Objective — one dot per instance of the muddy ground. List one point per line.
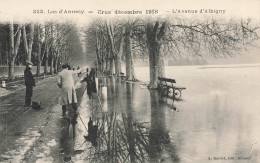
(33, 135)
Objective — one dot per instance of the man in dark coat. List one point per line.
(29, 83)
(91, 84)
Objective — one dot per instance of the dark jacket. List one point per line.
(28, 77)
(91, 85)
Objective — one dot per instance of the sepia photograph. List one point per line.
(155, 81)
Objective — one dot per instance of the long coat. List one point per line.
(66, 83)
(28, 78)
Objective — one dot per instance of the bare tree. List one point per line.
(110, 31)
(14, 39)
(154, 33)
(209, 37)
(52, 48)
(40, 53)
(172, 37)
(47, 48)
(4, 44)
(105, 39)
(28, 44)
(128, 51)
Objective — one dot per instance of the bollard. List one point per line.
(3, 84)
(43, 76)
(96, 80)
(104, 92)
(104, 96)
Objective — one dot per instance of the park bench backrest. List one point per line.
(166, 80)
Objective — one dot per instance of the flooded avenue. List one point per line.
(212, 121)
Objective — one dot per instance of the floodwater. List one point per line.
(217, 119)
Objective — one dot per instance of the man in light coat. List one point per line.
(68, 98)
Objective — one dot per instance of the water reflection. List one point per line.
(67, 140)
(122, 137)
(160, 147)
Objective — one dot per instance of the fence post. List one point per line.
(104, 96)
(3, 84)
(96, 81)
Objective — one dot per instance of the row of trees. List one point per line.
(113, 41)
(48, 44)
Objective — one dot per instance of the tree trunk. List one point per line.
(13, 49)
(39, 56)
(38, 72)
(128, 53)
(107, 65)
(1, 55)
(153, 48)
(2, 58)
(30, 42)
(117, 66)
(11, 52)
(103, 66)
(25, 44)
(56, 65)
(156, 64)
(52, 51)
(46, 65)
(112, 47)
(112, 66)
(161, 69)
(99, 67)
(119, 54)
(51, 66)
(28, 47)
(11, 70)
(132, 69)
(46, 60)
(6, 53)
(46, 50)
(98, 52)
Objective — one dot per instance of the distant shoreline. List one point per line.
(229, 66)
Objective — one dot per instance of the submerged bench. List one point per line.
(167, 86)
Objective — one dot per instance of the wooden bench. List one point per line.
(167, 86)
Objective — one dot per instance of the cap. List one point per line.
(29, 63)
(64, 66)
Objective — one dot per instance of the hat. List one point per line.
(29, 63)
(64, 66)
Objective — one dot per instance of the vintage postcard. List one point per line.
(130, 81)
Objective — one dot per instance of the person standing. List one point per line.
(29, 83)
(68, 98)
(91, 84)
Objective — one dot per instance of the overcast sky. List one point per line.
(22, 10)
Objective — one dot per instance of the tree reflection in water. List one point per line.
(121, 138)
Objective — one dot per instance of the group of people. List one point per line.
(30, 81)
(68, 97)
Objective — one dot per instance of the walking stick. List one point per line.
(78, 112)
(83, 123)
